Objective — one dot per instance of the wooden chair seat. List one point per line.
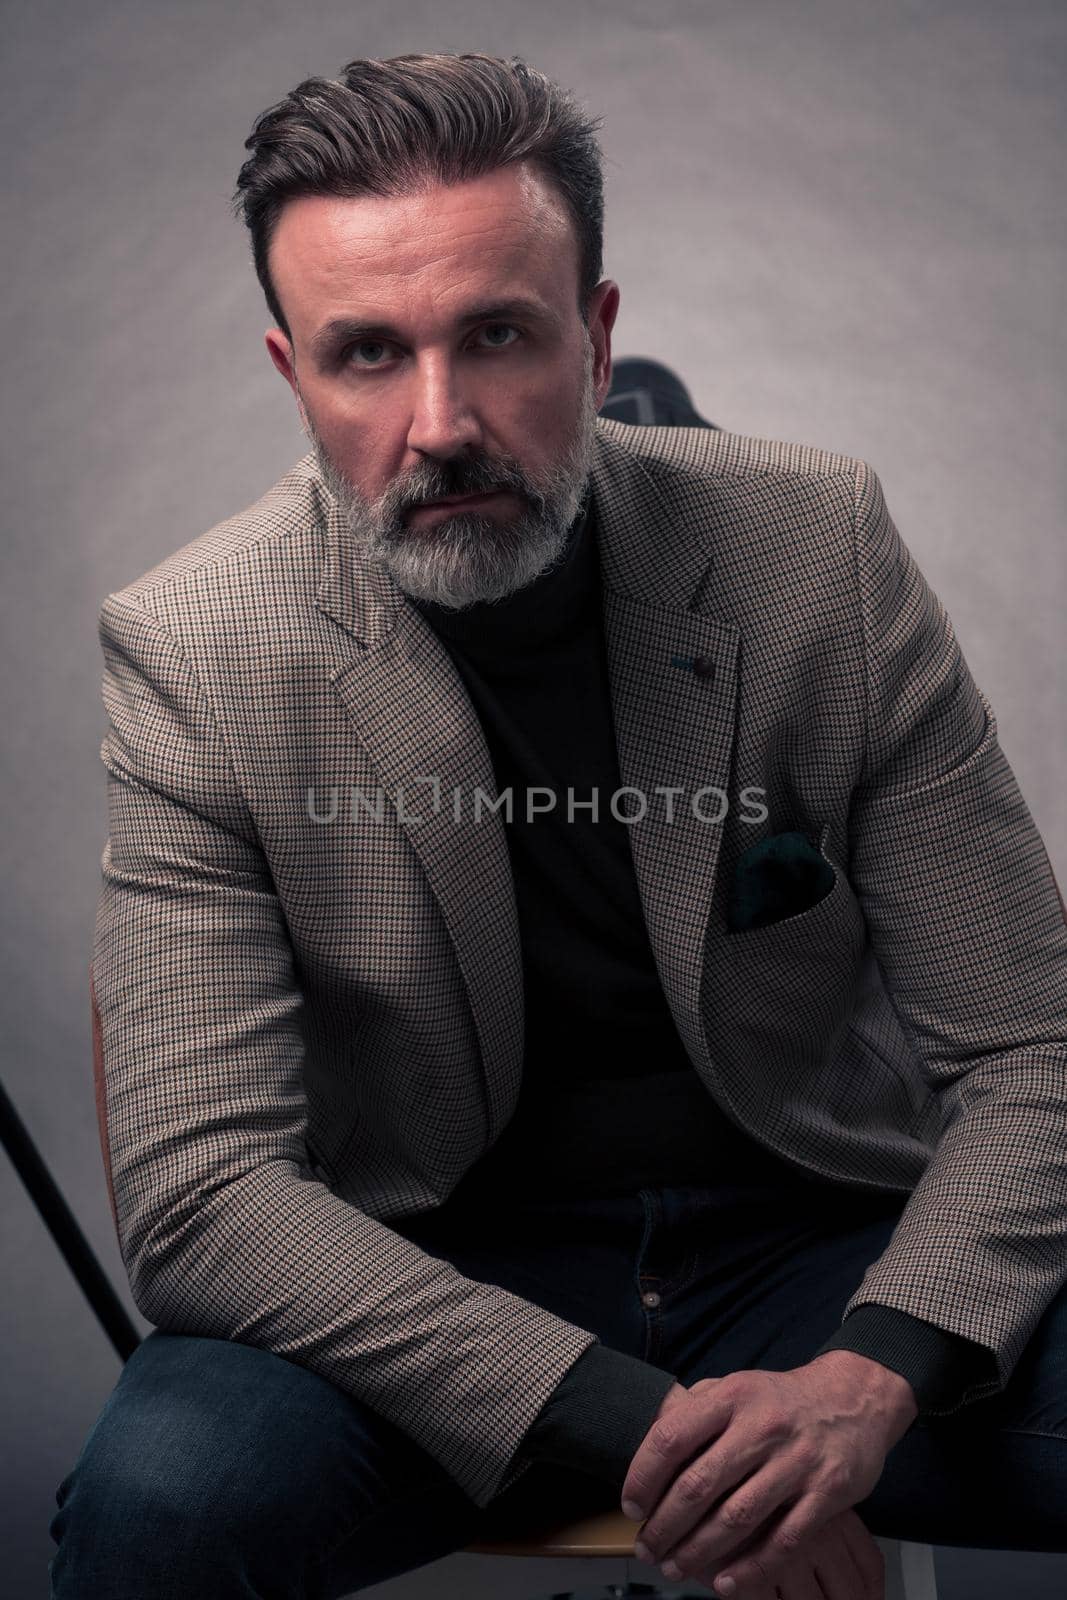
(909, 1568)
(606, 1533)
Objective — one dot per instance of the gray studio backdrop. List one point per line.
(842, 222)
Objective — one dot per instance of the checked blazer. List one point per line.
(306, 1027)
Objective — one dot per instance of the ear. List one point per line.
(603, 309)
(281, 353)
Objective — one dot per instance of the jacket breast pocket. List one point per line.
(782, 992)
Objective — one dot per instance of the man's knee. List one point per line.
(157, 1499)
(215, 1458)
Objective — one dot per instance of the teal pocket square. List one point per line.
(775, 878)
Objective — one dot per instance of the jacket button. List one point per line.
(704, 666)
(650, 1299)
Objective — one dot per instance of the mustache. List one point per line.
(451, 480)
(444, 480)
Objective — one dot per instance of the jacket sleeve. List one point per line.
(223, 1228)
(941, 1367)
(599, 1414)
(968, 929)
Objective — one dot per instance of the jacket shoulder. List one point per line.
(290, 510)
(715, 452)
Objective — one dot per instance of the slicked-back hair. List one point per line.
(395, 127)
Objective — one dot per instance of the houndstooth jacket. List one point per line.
(306, 1027)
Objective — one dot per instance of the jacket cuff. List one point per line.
(596, 1418)
(941, 1367)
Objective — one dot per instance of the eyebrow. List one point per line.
(340, 330)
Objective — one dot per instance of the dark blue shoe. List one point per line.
(644, 391)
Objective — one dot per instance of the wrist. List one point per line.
(896, 1401)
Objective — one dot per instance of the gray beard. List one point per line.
(470, 558)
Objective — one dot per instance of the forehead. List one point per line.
(330, 253)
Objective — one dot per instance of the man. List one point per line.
(402, 1104)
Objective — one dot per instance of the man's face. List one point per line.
(436, 384)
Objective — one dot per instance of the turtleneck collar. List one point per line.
(551, 606)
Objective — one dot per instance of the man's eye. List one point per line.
(363, 345)
(499, 327)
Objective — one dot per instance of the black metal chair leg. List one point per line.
(61, 1224)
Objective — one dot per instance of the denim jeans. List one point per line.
(219, 1469)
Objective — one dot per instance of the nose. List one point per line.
(443, 421)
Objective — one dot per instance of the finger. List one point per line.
(690, 1499)
(731, 1526)
(803, 1584)
(670, 1443)
(763, 1591)
(834, 1570)
(828, 1568)
(719, 1478)
(779, 1547)
(865, 1553)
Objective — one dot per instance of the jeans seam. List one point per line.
(648, 1200)
(684, 1276)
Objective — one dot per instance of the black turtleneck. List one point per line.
(610, 1102)
(535, 668)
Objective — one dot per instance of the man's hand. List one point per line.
(841, 1562)
(762, 1460)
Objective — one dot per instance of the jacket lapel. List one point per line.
(673, 728)
(673, 724)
